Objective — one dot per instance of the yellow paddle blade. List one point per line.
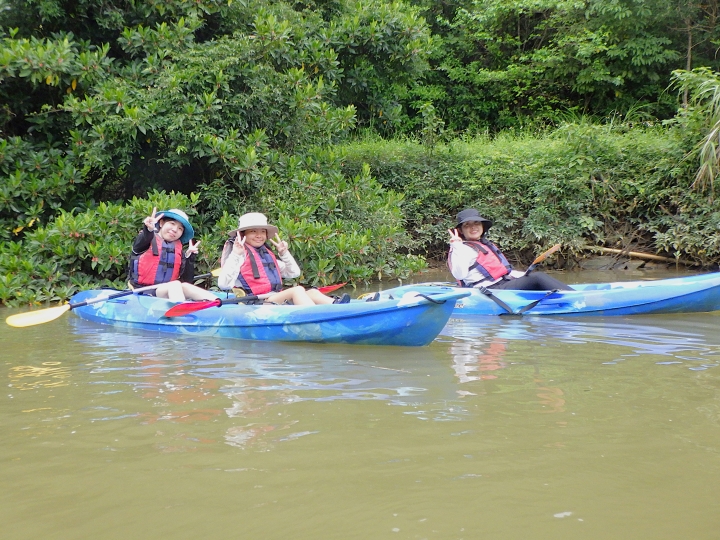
(37, 317)
(216, 272)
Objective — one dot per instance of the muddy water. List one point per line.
(502, 428)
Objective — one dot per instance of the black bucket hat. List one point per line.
(470, 214)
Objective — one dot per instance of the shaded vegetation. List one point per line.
(108, 108)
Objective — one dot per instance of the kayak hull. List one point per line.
(409, 321)
(689, 294)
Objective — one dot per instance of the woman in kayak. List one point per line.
(248, 263)
(474, 261)
(157, 257)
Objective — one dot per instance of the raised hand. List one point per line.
(151, 221)
(454, 236)
(192, 248)
(280, 245)
(239, 245)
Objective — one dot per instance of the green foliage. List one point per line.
(700, 117)
(516, 64)
(581, 184)
(78, 250)
(165, 93)
(383, 49)
(241, 106)
(36, 181)
(339, 227)
(345, 228)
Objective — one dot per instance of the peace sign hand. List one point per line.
(192, 248)
(280, 245)
(239, 245)
(151, 221)
(454, 236)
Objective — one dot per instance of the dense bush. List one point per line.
(241, 106)
(76, 250)
(501, 64)
(338, 228)
(221, 101)
(579, 185)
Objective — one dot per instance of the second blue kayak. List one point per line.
(689, 294)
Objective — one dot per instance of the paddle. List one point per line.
(186, 308)
(330, 288)
(41, 316)
(540, 258)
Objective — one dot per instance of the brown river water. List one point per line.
(502, 428)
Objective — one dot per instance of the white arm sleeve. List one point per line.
(461, 258)
(288, 266)
(230, 271)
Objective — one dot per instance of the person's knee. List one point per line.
(175, 291)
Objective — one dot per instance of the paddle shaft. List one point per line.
(113, 296)
(540, 258)
(187, 308)
(246, 298)
(41, 316)
(128, 293)
(125, 293)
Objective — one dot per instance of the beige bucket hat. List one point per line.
(256, 220)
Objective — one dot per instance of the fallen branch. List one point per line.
(639, 255)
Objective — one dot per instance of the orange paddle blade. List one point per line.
(191, 307)
(540, 258)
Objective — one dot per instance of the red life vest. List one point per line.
(490, 261)
(160, 263)
(260, 272)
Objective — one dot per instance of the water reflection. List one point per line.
(690, 340)
(473, 363)
(192, 379)
(47, 375)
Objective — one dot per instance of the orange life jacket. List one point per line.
(160, 263)
(260, 272)
(490, 261)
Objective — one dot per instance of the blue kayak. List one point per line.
(698, 293)
(409, 320)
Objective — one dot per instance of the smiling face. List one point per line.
(170, 230)
(255, 237)
(472, 230)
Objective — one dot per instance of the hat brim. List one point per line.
(272, 230)
(486, 222)
(188, 231)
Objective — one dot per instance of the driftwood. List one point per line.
(640, 255)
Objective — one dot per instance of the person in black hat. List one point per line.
(474, 261)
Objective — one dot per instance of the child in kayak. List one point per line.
(157, 257)
(474, 261)
(248, 263)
